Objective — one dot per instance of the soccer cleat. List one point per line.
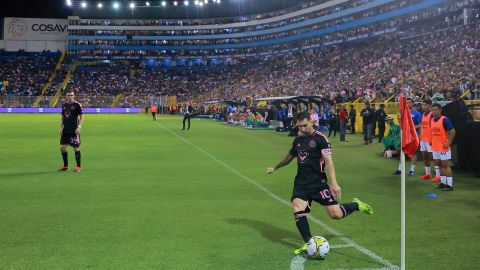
(363, 207)
(436, 179)
(301, 250)
(447, 188)
(411, 173)
(425, 177)
(441, 185)
(77, 169)
(397, 172)
(64, 168)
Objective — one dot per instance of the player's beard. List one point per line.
(307, 132)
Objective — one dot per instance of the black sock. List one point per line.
(65, 158)
(78, 157)
(348, 208)
(302, 225)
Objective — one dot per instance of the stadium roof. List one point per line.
(226, 8)
(35, 9)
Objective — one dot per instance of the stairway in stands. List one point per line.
(56, 75)
(60, 88)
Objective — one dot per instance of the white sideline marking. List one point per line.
(348, 241)
(382, 268)
(341, 246)
(299, 243)
(297, 262)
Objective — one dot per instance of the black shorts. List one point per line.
(70, 139)
(322, 195)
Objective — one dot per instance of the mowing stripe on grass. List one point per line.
(348, 241)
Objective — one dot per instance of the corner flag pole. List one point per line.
(402, 203)
(409, 142)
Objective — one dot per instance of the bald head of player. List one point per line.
(305, 124)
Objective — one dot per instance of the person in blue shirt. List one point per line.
(417, 121)
(282, 115)
(230, 111)
(322, 117)
(416, 115)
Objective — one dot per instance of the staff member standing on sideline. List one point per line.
(367, 113)
(381, 115)
(187, 114)
(154, 110)
(352, 116)
(342, 118)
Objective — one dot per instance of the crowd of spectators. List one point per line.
(438, 63)
(444, 62)
(447, 14)
(227, 20)
(25, 74)
(240, 29)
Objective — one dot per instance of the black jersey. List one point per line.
(368, 115)
(310, 151)
(70, 113)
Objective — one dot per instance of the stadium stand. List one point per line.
(370, 49)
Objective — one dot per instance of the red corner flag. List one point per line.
(409, 134)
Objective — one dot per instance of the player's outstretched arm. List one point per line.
(285, 161)
(334, 187)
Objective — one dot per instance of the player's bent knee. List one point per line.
(335, 212)
(299, 205)
(336, 215)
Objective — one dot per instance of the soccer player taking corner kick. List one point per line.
(313, 152)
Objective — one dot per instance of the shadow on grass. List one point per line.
(293, 240)
(269, 231)
(272, 233)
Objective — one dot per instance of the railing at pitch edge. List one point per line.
(59, 110)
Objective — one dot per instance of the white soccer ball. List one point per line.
(318, 247)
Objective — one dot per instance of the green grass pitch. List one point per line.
(151, 196)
